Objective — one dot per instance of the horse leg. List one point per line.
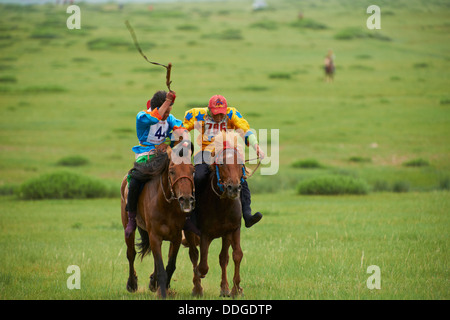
(202, 268)
(223, 260)
(153, 285)
(131, 251)
(161, 275)
(131, 254)
(193, 255)
(237, 257)
(171, 265)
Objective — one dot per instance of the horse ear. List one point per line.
(169, 152)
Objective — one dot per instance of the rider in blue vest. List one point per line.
(153, 126)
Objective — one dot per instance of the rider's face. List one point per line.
(218, 117)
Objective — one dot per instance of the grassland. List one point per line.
(312, 248)
(73, 94)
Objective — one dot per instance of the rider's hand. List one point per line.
(259, 152)
(171, 96)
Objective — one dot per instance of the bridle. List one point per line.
(172, 184)
(221, 185)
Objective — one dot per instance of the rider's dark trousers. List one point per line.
(134, 190)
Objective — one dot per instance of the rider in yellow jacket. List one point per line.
(209, 122)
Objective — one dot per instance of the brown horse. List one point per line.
(163, 204)
(219, 216)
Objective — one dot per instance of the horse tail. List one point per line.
(144, 244)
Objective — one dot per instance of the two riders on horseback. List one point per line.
(156, 124)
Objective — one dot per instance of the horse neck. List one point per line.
(218, 208)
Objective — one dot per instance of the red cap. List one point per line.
(217, 104)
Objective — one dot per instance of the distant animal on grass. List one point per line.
(329, 66)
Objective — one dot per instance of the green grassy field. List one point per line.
(384, 120)
(308, 248)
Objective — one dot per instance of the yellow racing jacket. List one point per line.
(199, 119)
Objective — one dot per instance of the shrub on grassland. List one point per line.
(401, 186)
(359, 33)
(307, 164)
(73, 161)
(444, 183)
(308, 24)
(280, 75)
(64, 185)
(332, 185)
(419, 162)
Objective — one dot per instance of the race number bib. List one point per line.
(158, 132)
(213, 128)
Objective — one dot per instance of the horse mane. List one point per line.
(226, 139)
(150, 169)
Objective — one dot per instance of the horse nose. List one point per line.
(186, 203)
(234, 190)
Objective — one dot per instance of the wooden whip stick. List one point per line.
(138, 47)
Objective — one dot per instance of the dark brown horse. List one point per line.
(162, 208)
(219, 216)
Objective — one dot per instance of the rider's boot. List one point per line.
(131, 225)
(249, 219)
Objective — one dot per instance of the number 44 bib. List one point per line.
(157, 132)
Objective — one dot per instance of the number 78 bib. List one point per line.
(158, 132)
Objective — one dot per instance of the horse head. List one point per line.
(229, 167)
(181, 176)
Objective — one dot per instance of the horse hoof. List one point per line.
(132, 285)
(153, 287)
(153, 284)
(238, 292)
(197, 292)
(225, 293)
(131, 289)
